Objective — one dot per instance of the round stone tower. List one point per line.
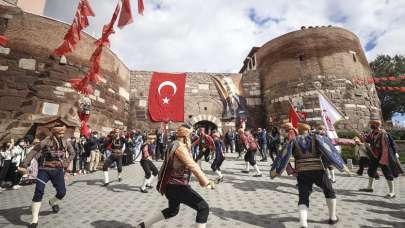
(293, 67)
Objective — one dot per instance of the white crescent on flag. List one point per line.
(167, 83)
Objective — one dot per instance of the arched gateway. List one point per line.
(208, 122)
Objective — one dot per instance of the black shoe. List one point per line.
(377, 177)
(333, 222)
(219, 180)
(389, 196)
(258, 175)
(264, 160)
(366, 190)
(119, 179)
(141, 225)
(55, 207)
(149, 186)
(106, 184)
(244, 171)
(144, 190)
(33, 225)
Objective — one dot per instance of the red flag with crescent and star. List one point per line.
(166, 97)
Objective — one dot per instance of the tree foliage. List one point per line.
(391, 101)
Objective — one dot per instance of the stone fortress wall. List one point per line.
(292, 66)
(33, 86)
(298, 64)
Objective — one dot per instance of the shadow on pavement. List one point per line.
(13, 215)
(395, 210)
(110, 224)
(111, 187)
(247, 217)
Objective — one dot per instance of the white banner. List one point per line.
(330, 115)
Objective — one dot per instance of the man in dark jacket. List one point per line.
(94, 148)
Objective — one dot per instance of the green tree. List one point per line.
(391, 101)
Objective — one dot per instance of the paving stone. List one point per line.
(240, 201)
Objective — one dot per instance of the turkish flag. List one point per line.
(166, 97)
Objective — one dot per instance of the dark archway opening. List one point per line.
(207, 125)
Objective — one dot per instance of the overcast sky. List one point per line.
(216, 35)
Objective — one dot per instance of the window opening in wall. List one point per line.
(301, 57)
(354, 57)
(205, 108)
(190, 116)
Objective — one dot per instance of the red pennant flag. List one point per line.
(141, 7)
(126, 14)
(166, 97)
(86, 9)
(3, 40)
(81, 85)
(84, 129)
(296, 117)
(73, 34)
(402, 89)
(108, 29)
(64, 48)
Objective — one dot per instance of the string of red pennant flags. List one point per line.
(80, 22)
(378, 82)
(93, 75)
(73, 36)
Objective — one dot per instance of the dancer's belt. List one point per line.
(53, 164)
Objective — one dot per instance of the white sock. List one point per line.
(154, 219)
(332, 208)
(106, 179)
(328, 173)
(201, 225)
(370, 182)
(247, 166)
(151, 180)
(332, 174)
(257, 169)
(35, 207)
(218, 172)
(391, 187)
(303, 211)
(119, 175)
(145, 182)
(53, 201)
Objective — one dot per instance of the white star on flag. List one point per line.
(166, 100)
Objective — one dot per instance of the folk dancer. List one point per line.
(205, 146)
(147, 165)
(307, 150)
(250, 157)
(117, 144)
(50, 154)
(383, 154)
(174, 177)
(219, 156)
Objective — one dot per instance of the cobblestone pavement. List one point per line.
(240, 201)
